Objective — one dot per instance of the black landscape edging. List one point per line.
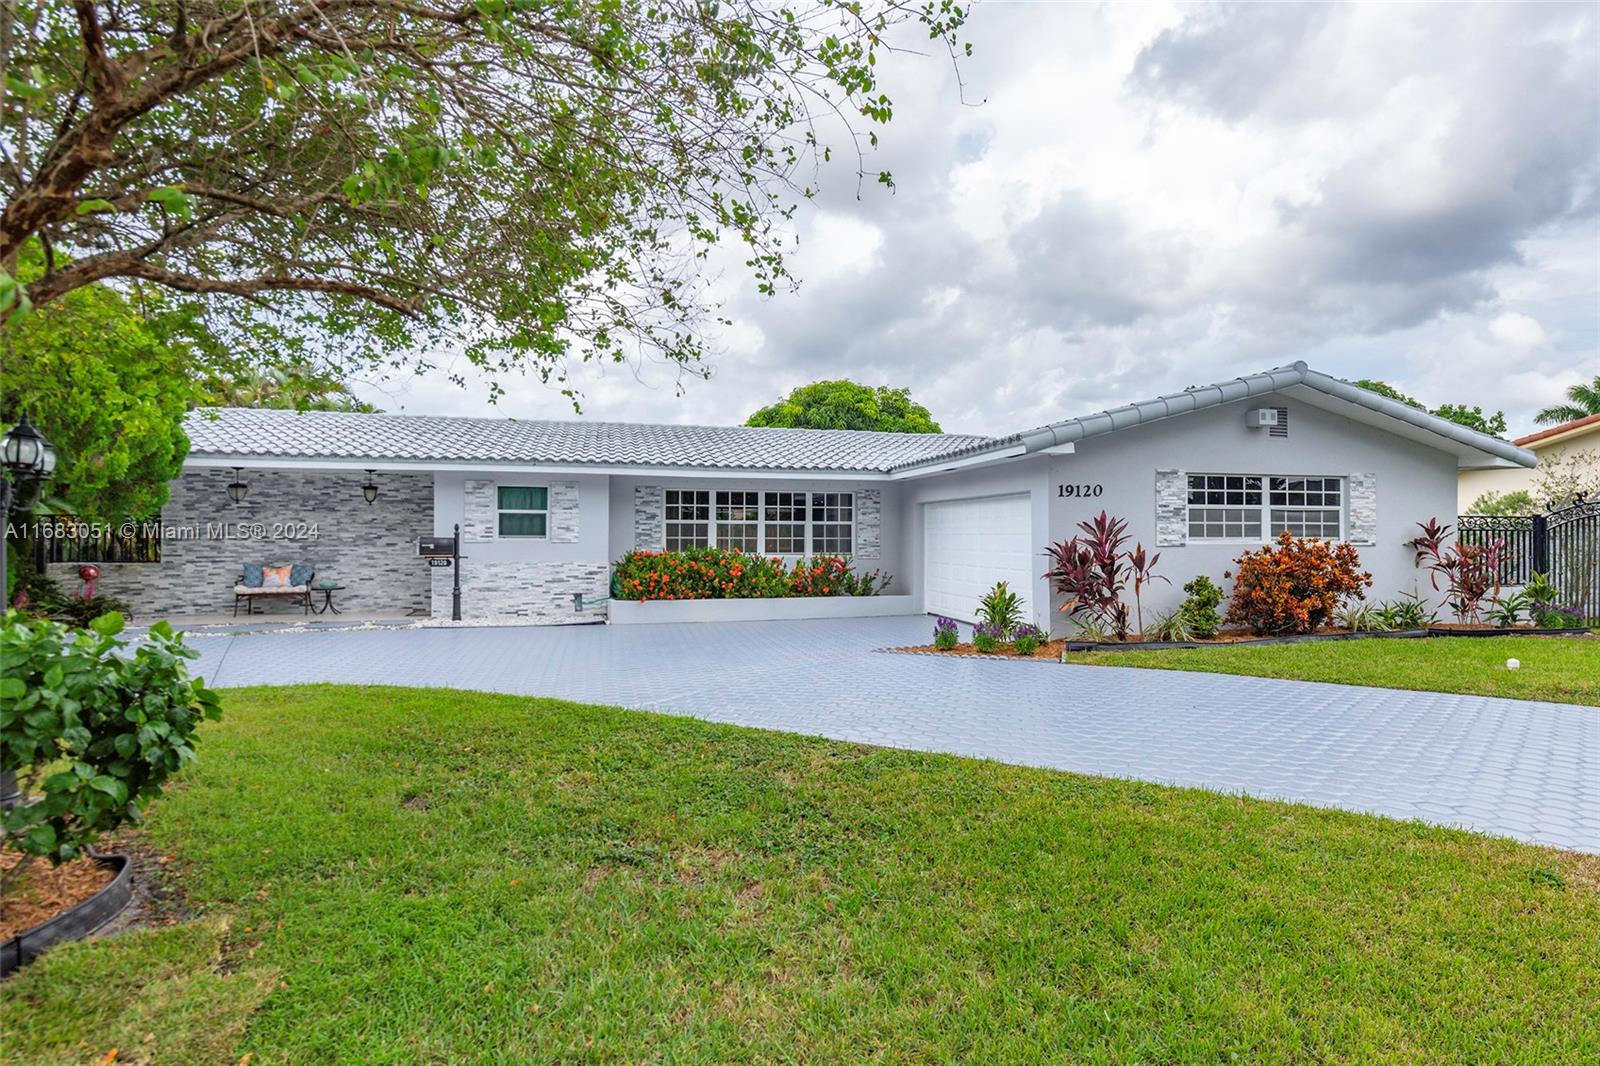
(76, 922)
(1314, 638)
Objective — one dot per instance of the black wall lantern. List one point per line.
(369, 488)
(236, 487)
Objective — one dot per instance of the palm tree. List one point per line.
(1585, 402)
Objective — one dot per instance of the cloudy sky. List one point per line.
(1136, 198)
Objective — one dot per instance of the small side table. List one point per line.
(327, 599)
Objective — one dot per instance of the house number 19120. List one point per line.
(1084, 490)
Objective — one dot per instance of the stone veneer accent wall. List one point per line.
(869, 524)
(1363, 509)
(649, 521)
(480, 517)
(369, 548)
(1172, 503)
(540, 592)
(564, 512)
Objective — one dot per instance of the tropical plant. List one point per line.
(824, 575)
(1294, 585)
(698, 574)
(1507, 610)
(987, 637)
(1026, 638)
(1090, 628)
(1089, 570)
(94, 726)
(1173, 626)
(1409, 611)
(1001, 608)
(1199, 607)
(1142, 570)
(1542, 595)
(945, 633)
(1362, 618)
(523, 182)
(1584, 401)
(847, 405)
(1469, 573)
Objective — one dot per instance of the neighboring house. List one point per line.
(545, 507)
(1549, 445)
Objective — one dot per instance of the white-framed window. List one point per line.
(523, 510)
(1255, 507)
(739, 520)
(688, 519)
(1307, 506)
(784, 523)
(775, 522)
(833, 523)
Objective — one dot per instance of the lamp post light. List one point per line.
(27, 460)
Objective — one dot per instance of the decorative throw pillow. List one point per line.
(275, 577)
(300, 573)
(252, 575)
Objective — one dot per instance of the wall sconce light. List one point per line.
(369, 488)
(236, 487)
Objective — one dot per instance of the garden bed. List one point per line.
(776, 608)
(1053, 649)
(66, 902)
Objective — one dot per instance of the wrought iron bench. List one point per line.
(248, 594)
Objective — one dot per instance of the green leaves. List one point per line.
(125, 717)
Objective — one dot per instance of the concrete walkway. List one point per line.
(1517, 768)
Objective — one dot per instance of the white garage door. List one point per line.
(968, 545)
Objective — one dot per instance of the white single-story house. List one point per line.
(546, 507)
(1554, 445)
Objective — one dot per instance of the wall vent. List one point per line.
(1282, 428)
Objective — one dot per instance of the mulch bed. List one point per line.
(46, 891)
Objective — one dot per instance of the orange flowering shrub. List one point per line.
(698, 574)
(722, 574)
(1295, 585)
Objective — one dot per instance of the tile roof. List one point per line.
(1587, 422)
(249, 433)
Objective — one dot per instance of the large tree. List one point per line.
(1471, 417)
(1585, 401)
(525, 180)
(847, 405)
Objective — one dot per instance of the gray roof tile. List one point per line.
(244, 432)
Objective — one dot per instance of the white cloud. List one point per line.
(1152, 196)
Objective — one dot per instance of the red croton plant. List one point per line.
(1294, 585)
(1092, 570)
(1468, 573)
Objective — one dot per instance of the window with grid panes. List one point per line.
(738, 520)
(688, 519)
(784, 523)
(1307, 506)
(832, 523)
(1224, 507)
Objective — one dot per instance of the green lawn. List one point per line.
(404, 876)
(1563, 669)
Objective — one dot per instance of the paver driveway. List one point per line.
(1523, 769)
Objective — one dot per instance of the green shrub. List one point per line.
(1025, 639)
(1410, 611)
(987, 637)
(1001, 608)
(1175, 627)
(698, 574)
(92, 726)
(1199, 609)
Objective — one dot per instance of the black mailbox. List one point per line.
(436, 547)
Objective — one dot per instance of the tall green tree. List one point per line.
(1471, 417)
(108, 384)
(847, 405)
(1584, 401)
(529, 181)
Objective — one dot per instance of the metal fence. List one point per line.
(1565, 544)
